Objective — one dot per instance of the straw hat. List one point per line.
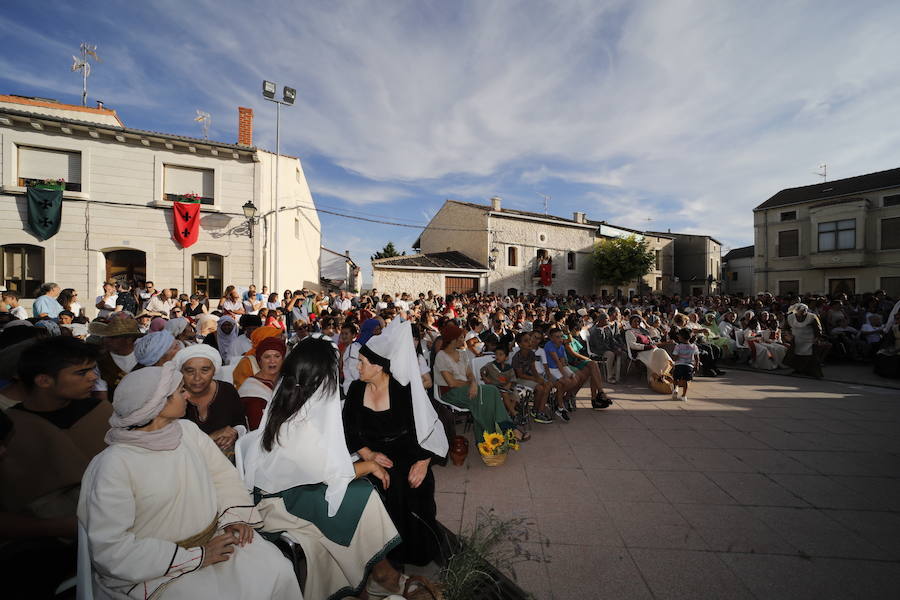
(123, 327)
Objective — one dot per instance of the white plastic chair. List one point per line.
(477, 363)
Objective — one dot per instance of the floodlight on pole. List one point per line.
(289, 95)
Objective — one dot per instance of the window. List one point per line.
(658, 258)
(841, 286)
(891, 200)
(512, 292)
(734, 275)
(837, 235)
(658, 287)
(570, 261)
(789, 243)
(571, 293)
(890, 233)
(22, 270)
(207, 275)
(38, 164)
(179, 181)
(790, 215)
(789, 287)
(891, 286)
(512, 257)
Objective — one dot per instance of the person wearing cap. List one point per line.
(164, 511)
(307, 485)
(58, 428)
(214, 406)
(457, 385)
(388, 418)
(257, 389)
(143, 319)
(117, 356)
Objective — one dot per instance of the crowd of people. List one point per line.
(183, 435)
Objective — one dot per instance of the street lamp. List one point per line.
(250, 213)
(288, 95)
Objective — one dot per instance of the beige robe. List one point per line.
(136, 503)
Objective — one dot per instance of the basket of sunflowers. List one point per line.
(496, 446)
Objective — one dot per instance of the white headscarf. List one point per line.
(139, 397)
(311, 449)
(226, 340)
(396, 345)
(176, 326)
(197, 351)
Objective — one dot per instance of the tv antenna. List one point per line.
(205, 120)
(546, 198)
(88, 52)
(822, 172)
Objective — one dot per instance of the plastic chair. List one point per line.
(477, 363)
(454, 410)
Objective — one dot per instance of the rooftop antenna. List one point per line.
(88, 51)
(205, 120)
(546, 198)
(822, 172)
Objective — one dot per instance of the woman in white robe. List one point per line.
(656, 359)
(166, 514)
(766, 353)
(308, 487)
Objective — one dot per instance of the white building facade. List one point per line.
(117, 214)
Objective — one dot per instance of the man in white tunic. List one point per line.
(166, 514)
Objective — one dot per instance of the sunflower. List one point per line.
(494, 440)
(485, 449)
(514, 445)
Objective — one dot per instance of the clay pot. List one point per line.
(459, 449)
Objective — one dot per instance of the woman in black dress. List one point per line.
(388, 419)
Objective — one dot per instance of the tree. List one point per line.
(388, 251)
(618, 261)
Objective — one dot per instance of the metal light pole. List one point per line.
(289, 94)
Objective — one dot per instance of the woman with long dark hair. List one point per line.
(306, 484)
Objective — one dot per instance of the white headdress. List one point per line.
(395, 344)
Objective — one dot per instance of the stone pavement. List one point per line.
(760, 486)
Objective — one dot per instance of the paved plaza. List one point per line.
(760, 486)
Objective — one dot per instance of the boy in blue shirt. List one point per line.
(687, 359)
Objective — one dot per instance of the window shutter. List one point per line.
(39, 163)
(183, 180)
(890, 234)
(788, 243)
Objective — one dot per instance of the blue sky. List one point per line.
(657, 115)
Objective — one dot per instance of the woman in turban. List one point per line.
(166, 514)
(248, 365)
(156, 349)
(214, 406)
(257, 390)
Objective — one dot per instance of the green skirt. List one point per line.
(487, 408)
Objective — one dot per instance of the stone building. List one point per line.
(737, 272)
(117, 211)
(698, 263)
(839, 236)
(489, 248)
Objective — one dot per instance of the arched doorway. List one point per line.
(126, 265)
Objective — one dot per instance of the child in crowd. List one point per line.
(687, 360)
(500, 373)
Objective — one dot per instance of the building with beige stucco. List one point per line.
(839, 236)
(117, 206)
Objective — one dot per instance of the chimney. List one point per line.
(100, 104)
(245, 126)
(578, 217)
(495, 204)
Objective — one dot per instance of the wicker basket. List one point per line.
(494, 460)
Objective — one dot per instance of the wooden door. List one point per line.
(461, 285)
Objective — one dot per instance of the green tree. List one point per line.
(618, 261)
(388, 251)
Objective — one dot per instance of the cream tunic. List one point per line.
(136, 503)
